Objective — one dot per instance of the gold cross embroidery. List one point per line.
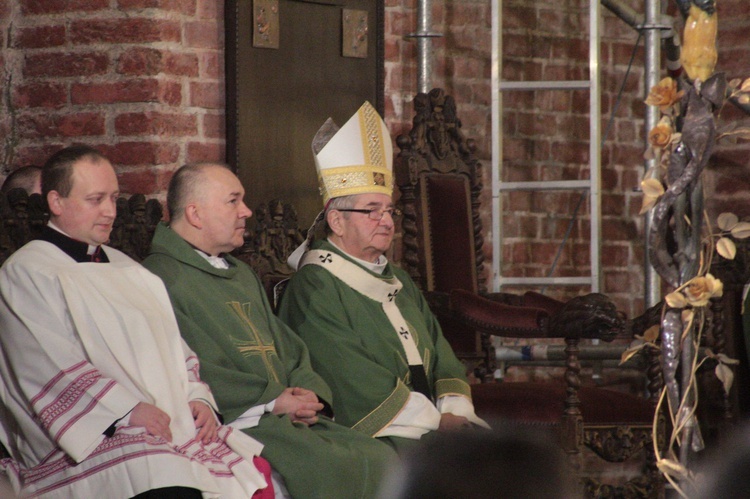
(256, 346)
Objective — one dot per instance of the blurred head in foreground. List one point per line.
(505, 463)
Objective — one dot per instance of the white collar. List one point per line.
(217, 262)
(378, 267)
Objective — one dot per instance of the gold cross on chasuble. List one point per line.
(260, 344)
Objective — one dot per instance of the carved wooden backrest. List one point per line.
(273, 233)
(439, 180)
(449, 257)
(440, 183)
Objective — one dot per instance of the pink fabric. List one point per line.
(264, 467)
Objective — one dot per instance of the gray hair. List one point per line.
(339, 203)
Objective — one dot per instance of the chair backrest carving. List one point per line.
(271, 237)
(440, 183)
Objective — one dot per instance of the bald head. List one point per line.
(28, 178)
(185, 187)
(206, 208)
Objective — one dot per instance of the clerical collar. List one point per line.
(217, 262)
(378, 267)
(79, 251)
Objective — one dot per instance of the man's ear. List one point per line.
(335, 221)
(54, 201)
(193, 216)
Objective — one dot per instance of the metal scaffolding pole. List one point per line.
(424, 47)
(497, 137)
(652, 281)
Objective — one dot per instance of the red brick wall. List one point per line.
(140, 79)
(144, 81)
(546, 133)
(728, 178)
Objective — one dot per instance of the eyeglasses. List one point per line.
(376, 214)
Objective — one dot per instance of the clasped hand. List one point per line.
(300, 404)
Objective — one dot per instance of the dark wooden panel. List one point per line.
(278, 98)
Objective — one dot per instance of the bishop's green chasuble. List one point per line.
(356, 349)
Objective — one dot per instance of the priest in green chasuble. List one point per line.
(369, 330)
(258, 369)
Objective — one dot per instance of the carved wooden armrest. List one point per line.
(538, 300)
(592, 316)
(639, 325)
(528, 299)
(497, 318)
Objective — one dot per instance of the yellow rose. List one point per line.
(700, 289)
(661, 135)
(664, 94)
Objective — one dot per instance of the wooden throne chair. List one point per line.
(442, 249)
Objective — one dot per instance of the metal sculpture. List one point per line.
(679, 250)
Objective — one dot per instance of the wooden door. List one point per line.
(277, 98)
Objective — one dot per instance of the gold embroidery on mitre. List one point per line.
(348, 180)
(372, 140)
